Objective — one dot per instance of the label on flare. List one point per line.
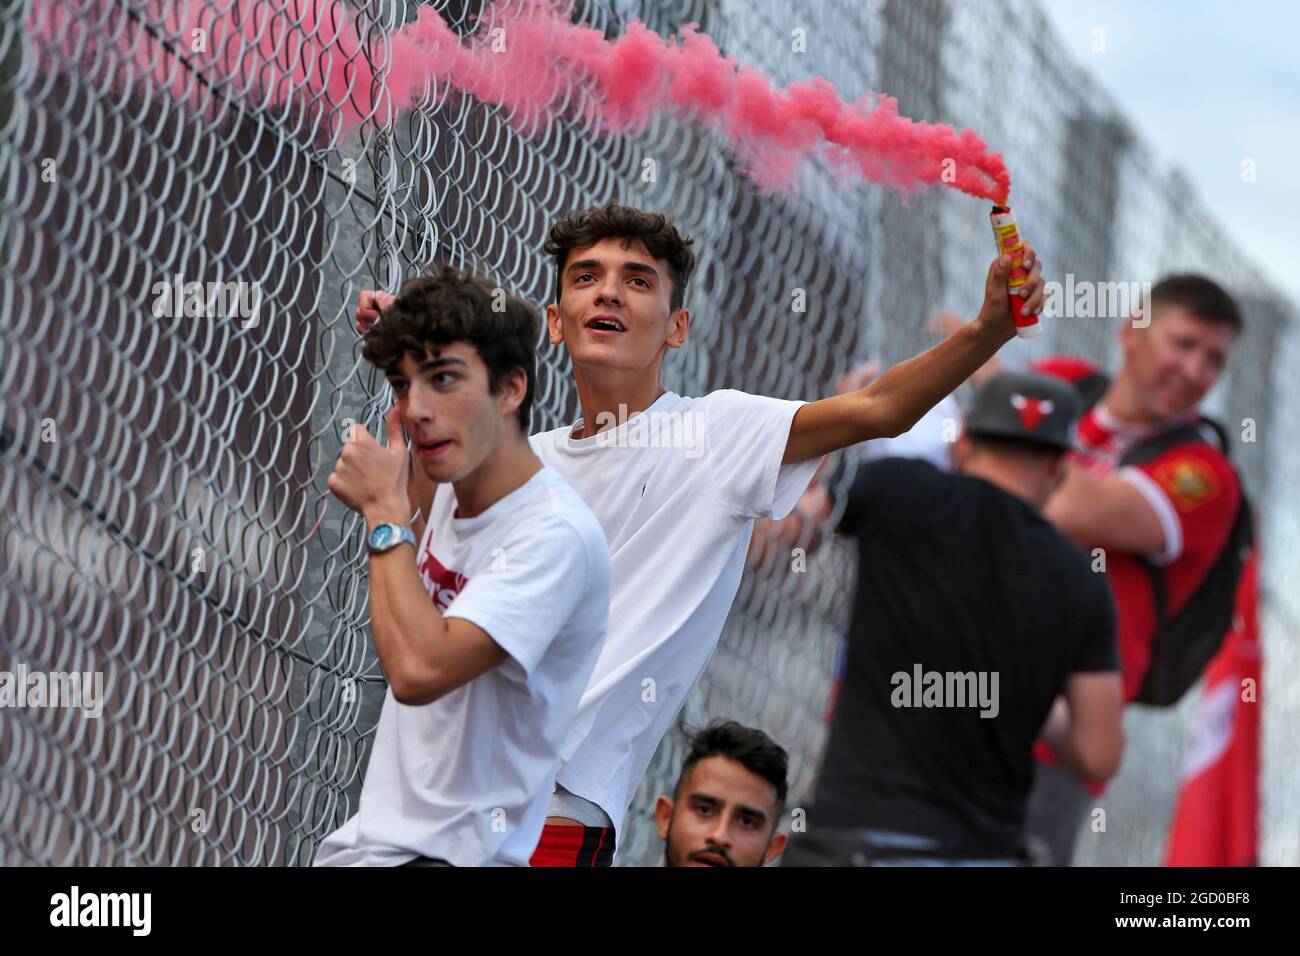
(1008, 238)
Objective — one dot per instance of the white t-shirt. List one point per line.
(468, 777)
(676, 490)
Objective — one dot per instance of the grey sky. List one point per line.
(1208, 84)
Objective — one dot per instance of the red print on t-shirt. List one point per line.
(443, 585)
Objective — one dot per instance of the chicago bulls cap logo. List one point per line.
(1032, 411)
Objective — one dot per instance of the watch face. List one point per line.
(389, 535)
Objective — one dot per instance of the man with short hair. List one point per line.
(1151, 486)
(726, 807)
(678, 511)
(489, 626)
(974, 620)
(1177, 508)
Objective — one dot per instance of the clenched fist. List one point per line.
(995, 313)
(372, 478)
(369, 305)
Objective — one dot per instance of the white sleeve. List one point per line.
(536, 581)
(745, 437)
(1164, 509)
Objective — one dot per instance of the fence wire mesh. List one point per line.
(164, 518)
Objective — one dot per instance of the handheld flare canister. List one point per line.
(1008, 239)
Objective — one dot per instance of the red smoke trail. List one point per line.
(531, 60)
(641, 75)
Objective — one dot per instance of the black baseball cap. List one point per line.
(1026, 406)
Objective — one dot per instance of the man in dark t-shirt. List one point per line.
(974, 620)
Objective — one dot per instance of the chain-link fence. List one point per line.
(164, 520)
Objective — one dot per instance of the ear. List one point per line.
(679, 323)
(554, 327)
(961, 450)
(1056, 475)
(663, 815)
(513, 389)
(776, 848)
(1128, 335)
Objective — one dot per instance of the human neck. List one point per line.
(611, 398)
(507, 469)
(1009, 477)
(1122, 402)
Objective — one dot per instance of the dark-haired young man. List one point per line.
(489, 627)
(728, 801)
(676, 483)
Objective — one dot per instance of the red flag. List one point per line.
(1216, 820)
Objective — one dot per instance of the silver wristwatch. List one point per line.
(387, 536)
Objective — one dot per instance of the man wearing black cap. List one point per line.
(974, 620)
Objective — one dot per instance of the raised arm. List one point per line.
(1112, 514)
(424, 655)
(420, 490)
(896, 401)
(369, 304)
